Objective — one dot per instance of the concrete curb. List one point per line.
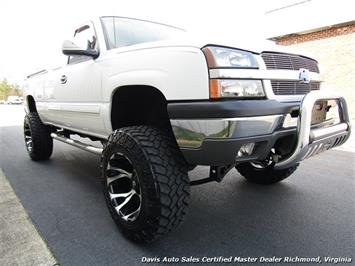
(20, 243)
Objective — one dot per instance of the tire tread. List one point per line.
(169, 173)
(41, 138)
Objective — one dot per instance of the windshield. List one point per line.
(120, 32)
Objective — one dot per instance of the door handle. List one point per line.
(63, 79)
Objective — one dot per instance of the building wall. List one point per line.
(334, 49)
(317, 35)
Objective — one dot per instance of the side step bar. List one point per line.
(78, 144)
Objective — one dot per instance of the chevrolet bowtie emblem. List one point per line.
(304, 76)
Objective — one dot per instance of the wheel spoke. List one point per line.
(128, 216)
(116, 173)
(127, 197)
(122, 195)
(110, 179)
(120, 170)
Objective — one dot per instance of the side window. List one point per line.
(85, 38)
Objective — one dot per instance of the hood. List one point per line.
(243, 42)
(239, 42)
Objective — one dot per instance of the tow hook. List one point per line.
(217, 173)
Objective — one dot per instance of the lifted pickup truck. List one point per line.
(161, 102)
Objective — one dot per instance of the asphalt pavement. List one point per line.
(310, 214)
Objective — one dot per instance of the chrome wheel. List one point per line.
(123, 187)
(28, 137)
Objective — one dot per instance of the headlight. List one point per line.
(226, 57)
(236, 88)
(241, 88)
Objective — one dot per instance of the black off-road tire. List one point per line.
(264, 176)
(162, 173)
(40, 136)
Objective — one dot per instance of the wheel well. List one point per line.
(31, 104)
(139, 105)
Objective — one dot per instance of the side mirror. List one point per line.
(70, 48)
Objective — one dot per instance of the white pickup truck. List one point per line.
(162, 101)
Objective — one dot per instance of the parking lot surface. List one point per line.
(308, 215)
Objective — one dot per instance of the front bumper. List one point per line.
(214, 133)
(313, 141)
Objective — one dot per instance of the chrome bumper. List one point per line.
(313, 141)
(217, 141)
(190, 133)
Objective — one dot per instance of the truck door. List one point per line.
(76, 99)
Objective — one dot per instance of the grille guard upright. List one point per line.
(311, 142)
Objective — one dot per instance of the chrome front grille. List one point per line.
(289, 61)
(282, 87)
